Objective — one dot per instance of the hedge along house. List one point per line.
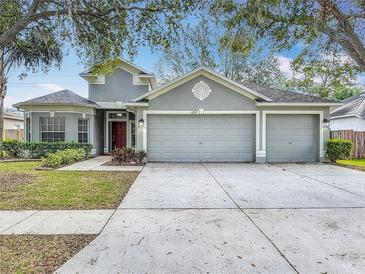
(201, 116)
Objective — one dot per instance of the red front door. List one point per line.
(119, 134)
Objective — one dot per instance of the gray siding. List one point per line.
(221, 98)
(71, 123)
(118, 87)
(99, 132)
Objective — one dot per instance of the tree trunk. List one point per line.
(2, 97)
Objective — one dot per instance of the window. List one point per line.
(52, 129)
(27, 124)
(117, 115)
(83, 131)
(133, 134)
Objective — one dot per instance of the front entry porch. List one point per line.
(117, 128)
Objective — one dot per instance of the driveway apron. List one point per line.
(230, 218)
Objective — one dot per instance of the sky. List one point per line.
(39, 84)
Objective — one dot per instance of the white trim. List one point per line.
(13, 118)
(30, 128)
(201, 112)
(88, 129)
(309, 112)
(319, 104)
(93, 79)
(243, 90)
(60, 111)
(346, 116)
(137, 104)
(21, 105)
(136, 79)
(127, 63)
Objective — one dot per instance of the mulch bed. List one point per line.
(111, 163)
(10, 160)
(38, 253)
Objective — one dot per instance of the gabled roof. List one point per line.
(263, 95)
(62, 97)
(278, 95)
(137, 72)
(355, 106)
(208, 73)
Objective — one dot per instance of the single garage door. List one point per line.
(200, 138)
(291, 138)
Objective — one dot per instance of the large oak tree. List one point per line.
(35, 34)
(199, 45)
(314, 24)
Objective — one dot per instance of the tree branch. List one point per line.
(32, 17)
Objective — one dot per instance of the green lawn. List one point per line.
(24, 187)
(354, 163)
(24, 254)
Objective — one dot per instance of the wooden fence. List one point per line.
(357, 138)
(10, 134)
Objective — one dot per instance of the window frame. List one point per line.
(61, 125)
(82, 140)
(27, 129)
(133, 133)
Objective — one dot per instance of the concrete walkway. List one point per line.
(233, 218)
(97, 164)
(47, 222)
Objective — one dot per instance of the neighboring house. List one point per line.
(350, 116)
(201, 116)
(13, 125)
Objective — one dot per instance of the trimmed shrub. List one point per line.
(140, 155)
(13, 148)
(37, 150)
(64, 157)
(122, 155)
(127, 155)
(338, 149)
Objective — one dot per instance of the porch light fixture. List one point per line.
(326, 122)
(140, 122)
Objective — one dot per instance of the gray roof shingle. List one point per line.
(283, 96)
(62, 97)
(354, 107)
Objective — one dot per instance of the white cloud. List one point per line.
(50, 87)
(285, 64)
(10, 101)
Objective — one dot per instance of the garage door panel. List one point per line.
(291, 138)
(208, 138)
(291, 132)
(177, 145)
(283, 147)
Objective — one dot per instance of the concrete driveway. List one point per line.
(234, 218)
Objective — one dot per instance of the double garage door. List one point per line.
(200, 138)
(230, 138)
